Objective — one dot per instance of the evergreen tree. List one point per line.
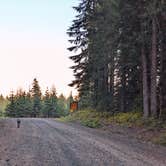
(79, 40)
(47, 108)
(62, 105)
(36, 98)
(20, 101)
(11, 107)
(54, 104)
(121, 64)
(28, 104)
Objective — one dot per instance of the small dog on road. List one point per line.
(18, 123)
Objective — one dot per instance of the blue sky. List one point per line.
(33, 43)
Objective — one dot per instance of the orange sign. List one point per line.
(74, 106)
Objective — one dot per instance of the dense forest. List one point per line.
(35, 104)
(120, 55)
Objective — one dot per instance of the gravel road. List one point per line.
(46, 142)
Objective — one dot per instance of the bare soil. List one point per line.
(46, 142)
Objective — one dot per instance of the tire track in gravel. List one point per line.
(77, 150)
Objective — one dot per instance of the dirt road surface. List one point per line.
(45, 142)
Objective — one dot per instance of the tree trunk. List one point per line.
(146, 109)
(154, 70)
(123, 92)
(163, 68)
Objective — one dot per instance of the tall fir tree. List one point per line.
(47, 104)
(11, 107)
(36, 98)
(54, 103)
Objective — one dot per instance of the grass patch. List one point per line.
(95, 119)
(92, 123)
(92, 117)
(89, 118)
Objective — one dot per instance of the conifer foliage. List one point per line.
(34, 104)
(36, 98)
(119, 61)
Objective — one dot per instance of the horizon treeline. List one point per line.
(120, 55)
(35, 104)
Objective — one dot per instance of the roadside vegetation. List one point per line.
(88, 118)
(150, 130)
(99, 119)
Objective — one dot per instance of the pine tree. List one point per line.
(79, 40)
(36, 97)
(121, 61)
(62, 106)
(11, 107)
(109, 52)
(47, 104)
(54, 104)
(28, 105)
(20, 101)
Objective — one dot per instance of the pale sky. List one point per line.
(33, 43)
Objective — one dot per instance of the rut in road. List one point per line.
(44, 142)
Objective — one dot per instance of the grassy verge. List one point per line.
(88, 118)
(149, 130)
(96, 119)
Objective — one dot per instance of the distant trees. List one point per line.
(11, 107)
(62, 105)
(36, 98)
(55, 112)
(47, 104)
(34, 104)
(50, 104)
(120, 55)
